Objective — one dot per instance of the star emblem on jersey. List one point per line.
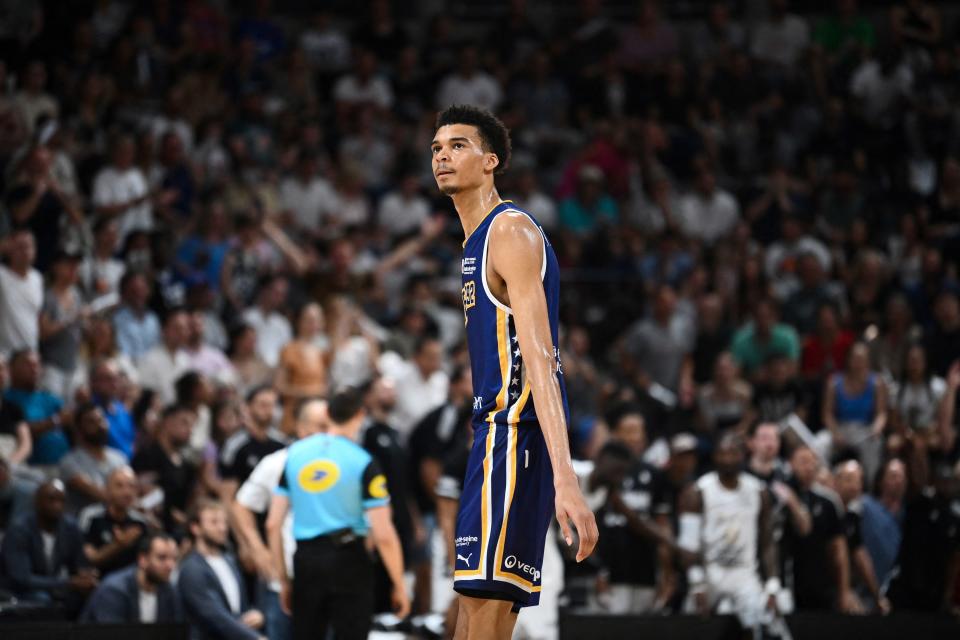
(516, 339)
(516, 354)
(516, 366)
(514, 395)
(515, 382)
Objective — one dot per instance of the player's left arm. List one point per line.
(516, 254)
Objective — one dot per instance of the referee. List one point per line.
(335, 489)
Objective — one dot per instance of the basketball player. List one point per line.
(519, 471)
(725, 518)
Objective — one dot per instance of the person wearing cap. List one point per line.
(61, 325)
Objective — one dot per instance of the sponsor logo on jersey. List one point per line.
(511, 562)
(318, 476)
(466, 560)
(468, 266)
(464, 541)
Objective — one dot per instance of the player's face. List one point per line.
(459, 161)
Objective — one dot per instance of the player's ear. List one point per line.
(491, 162)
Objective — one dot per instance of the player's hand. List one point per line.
(286, 597)
(400, 601)
(253, 619)
(772, 603)
(849, 604)
(571, 507)
(883, 605)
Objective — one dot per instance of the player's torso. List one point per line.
(730, 521)
(502, 392)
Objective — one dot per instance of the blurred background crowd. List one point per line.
(212, 211)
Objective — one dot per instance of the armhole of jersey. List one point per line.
(486, 244)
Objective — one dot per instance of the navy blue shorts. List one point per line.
(505, 510)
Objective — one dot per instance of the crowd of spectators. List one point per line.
(211, 213)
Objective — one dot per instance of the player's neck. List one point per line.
(473, 205)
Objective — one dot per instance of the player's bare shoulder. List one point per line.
(516, 243)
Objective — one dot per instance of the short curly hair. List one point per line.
(493, 133)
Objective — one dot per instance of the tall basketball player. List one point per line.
(519, 472)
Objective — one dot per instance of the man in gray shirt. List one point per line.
(87, 466)
(661, 344)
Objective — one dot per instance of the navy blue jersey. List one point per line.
(501, 390)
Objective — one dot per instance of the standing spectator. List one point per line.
(756, 343)
(422, 383)
(916, 400)
(38, 202)
(16, 443)
(782, 38)
(724, 402)
(855, 410)
(848, 478)
(195, 392)
(101, 272)
(21, 293)
(251, 370)
(141, 593)
(45, 413)
(160, 367)
(120, 190)
(112, 529)
(247, 447)
(707, 213)
(821, 566)
(212, 589)
(43, 554)
(136, 326)
(271, 326)
(87, 466)
(302, 371)
(205, 358)
(469, 85)
(61, 325)
(163, 465)
(591, 206)
(105, 388)
(713, 336)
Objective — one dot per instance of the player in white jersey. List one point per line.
(725, 520)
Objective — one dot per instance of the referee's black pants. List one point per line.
(332, 587)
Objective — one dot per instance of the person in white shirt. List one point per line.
(33, 101)
(306, 195)
(363, 87)
(421, 384)
(708, 213)
(120, 190)
(404, 209)
(21, 294)
(272, 327)
(468, 85)
(100, 272)
(161, 366)
(253, 498)
(782, 38)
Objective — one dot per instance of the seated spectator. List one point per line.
(943, 342)
(112, 529)
(21, 293)
(649, 41)
(848, 478)
(210, 584)
(160, 367)
(33, 100)
(855, 410)
(916, 400)
(16, 441)
(782, 38)
(361, 88)
(756, 343)
(163, 466)
(403, 210)
(845, 33)
(724, 402)
(825, 351)
(105, 390)
(43, 554)
(889, 351)
(306, 195)
(591, 206)
(469, 84)
(137, 327)
(87, 466)
(707, 213)
(713, 336)
(195, 392)
(820, 562)
(883, 518)
(814, 291)
(141, 593)
(267, 320)
(44, 412)
(783, 264)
